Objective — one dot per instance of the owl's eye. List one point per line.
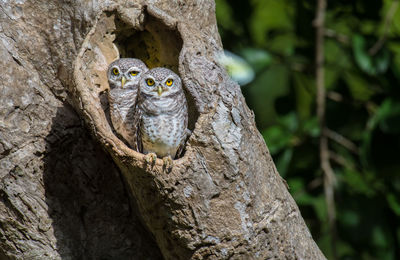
(169, 82)
(149, 82)
(134, 73)
(115, 71)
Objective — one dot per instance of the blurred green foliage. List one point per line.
(277, 38)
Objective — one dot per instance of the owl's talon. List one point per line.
(150, 158)
(167, 162)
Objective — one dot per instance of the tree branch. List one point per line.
(341, 140)
(342, 38)
(329, 176)
(388, 21)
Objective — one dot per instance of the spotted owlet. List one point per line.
(163, 115)
(123, 78)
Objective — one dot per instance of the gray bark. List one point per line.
(75, 194)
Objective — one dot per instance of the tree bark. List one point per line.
(62, 196)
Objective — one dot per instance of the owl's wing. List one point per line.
(136, 123)
(131, 125)
(187, 133)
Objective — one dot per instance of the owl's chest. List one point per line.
(122, 103)
(162, 129)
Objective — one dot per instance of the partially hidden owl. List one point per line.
(163, 114)
(123, 78)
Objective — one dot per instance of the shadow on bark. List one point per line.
(86, 198)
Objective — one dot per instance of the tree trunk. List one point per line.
(70, 194)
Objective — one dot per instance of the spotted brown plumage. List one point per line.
(123, 77)
(163, 114)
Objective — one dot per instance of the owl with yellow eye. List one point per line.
(123, 77)
(163, 115)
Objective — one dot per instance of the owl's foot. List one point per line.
(167, 162)
(150, 158)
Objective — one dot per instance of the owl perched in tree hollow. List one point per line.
(163, 115)
(123, 78)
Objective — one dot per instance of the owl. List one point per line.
(163, 115)
(123, 77)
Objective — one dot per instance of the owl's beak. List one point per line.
(123, 80)
(159, 90)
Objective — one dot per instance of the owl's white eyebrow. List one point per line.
(133, 68)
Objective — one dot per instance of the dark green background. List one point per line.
(277, 38)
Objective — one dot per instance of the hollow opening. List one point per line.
(156, 45)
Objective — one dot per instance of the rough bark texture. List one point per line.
(62, 196)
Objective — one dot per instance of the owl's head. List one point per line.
(160, 82)
(125, 73)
